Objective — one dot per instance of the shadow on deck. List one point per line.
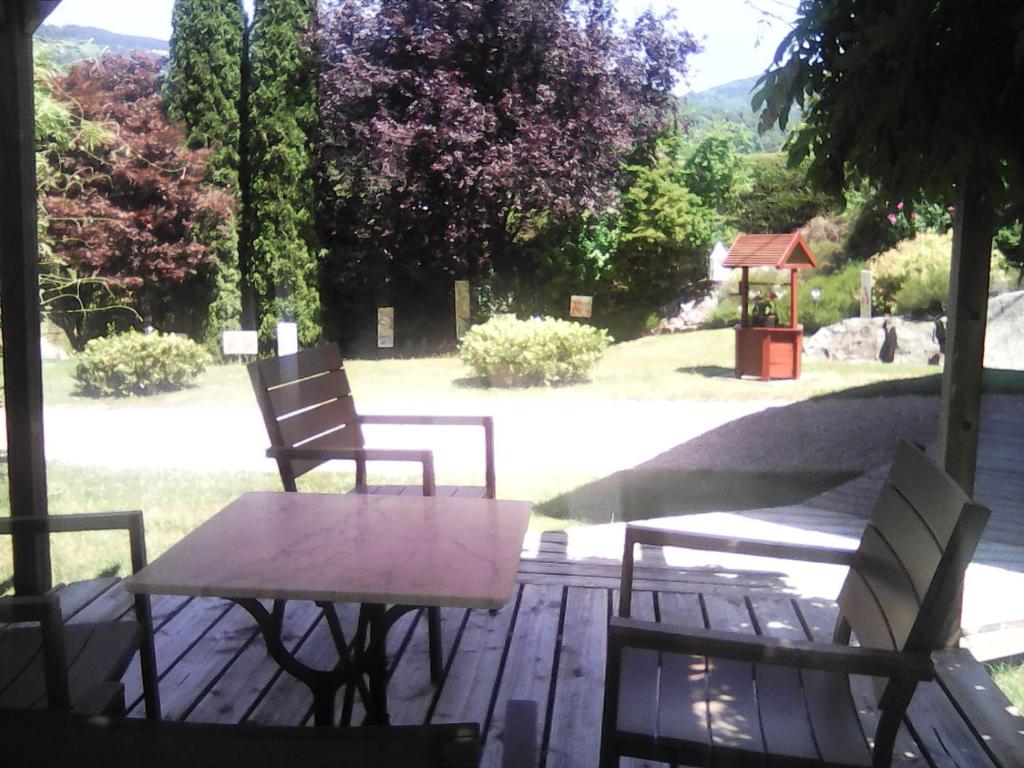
(547, 645)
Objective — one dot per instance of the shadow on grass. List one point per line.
(995, 381)
(709, 371)
(646, 492)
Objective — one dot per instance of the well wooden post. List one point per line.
(792, 298)
(745, 297)
(19, 293)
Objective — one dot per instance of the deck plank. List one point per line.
(173, 640)
(410, 690)
(248, 675)
(183, 684)
(476, 666)
(989, 714)
(575, 732)
(526, 674)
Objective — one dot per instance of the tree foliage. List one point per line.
(917, 96)
(774, 198)
(456, 131)
(122, 205)
(203, 90)
(665, 231)
(279, 231)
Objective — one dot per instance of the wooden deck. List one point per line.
(546, 646)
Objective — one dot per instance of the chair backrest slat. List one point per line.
(306, 400)
(300, 428)
(309, 362)
(291, 397)
(920, 537)
(927, 489)
(890, 584)
(909, 536)
(861, 608)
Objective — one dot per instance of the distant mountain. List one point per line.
(730, 103)
(94, 41)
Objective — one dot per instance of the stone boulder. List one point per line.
(1005, 332)
(917, 340)
(861, 339)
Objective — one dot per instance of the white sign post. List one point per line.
(287, 339)
(240, 343)
(385, 327)
(865, 293)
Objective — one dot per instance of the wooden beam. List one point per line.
(973, 228)
(19, 295)
(960, 414)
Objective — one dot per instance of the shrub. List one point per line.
(913, 277)
(137, 364)
(509, 352)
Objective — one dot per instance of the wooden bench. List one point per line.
(41, 738)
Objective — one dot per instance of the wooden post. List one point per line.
(745, 297)
(960, 414)
(965, 337)
(19, 294)
(792, 298)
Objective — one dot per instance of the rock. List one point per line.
(859, 338)
(691, 316)
(889, 346)
(1003, 347)
(923, 341)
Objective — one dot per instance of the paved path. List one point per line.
(851, 435)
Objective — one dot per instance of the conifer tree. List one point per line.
(203, 90)
(279, 236)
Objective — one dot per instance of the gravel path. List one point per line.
(832, 434)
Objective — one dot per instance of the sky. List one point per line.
(739, 36)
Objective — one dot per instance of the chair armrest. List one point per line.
(487, 422)
(640, 534)
(854, 660)
(44, 609)
(426, 458)
(131, 521)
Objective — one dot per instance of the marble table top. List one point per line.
(348, 548)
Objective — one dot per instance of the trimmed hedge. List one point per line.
(137, 364)
(507, 352)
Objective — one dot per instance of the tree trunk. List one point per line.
(960, 417)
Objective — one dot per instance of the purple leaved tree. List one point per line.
(452, 130)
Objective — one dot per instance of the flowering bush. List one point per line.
(137, 364)
(507, 352)
(913, 277)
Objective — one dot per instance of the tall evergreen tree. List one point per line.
(280, 234)
(203, 90)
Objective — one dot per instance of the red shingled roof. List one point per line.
(775, 251)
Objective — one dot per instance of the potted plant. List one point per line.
(764, 313)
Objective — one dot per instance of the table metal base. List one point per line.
(365, 655)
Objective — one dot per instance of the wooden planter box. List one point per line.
(771, 353)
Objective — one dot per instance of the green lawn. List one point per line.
(690, 366)
(1010, 677)
(686, 366)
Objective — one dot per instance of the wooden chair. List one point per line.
(311, 418)
(697, 696)
(45, 662)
